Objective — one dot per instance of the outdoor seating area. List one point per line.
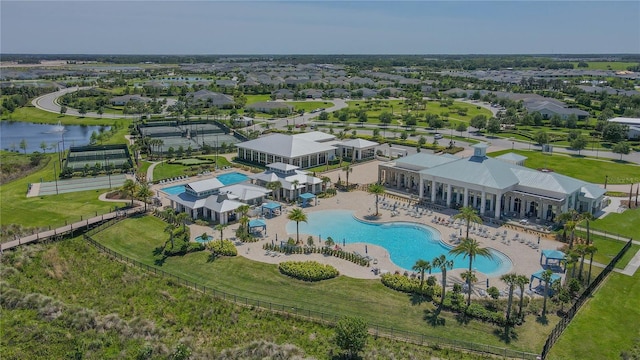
(412, 210)
(172, 180)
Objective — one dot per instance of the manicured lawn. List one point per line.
(606, 65)
(340, 296)
(608, 248)
(308, 106)
(32, 114)
(257, 98)
(47, 210)
(626, 223)
(606, 325)
(587, 169)
(165, 171)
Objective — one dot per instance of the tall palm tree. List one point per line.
(275, 187)
(581, 250)
(144, 193)
(572, 260)
(220, 227)
(468, 215)
(588, 217)
(470, 248)
(570, 226)
(377, 190)
(129, 187)
(325, 180)
(469, 277)
(295, 184)
(182, 218)
(170, 216)
(298, 216)
(569, 219)
(244, 224)
(169, 230)
(521, 281)
(511, 281)
(347, 169)
(443, 263)
(422, 266)
(546, 277)
(591, 249)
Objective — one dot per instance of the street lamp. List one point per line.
(55, 176)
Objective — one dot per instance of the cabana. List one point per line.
(257, 223)
(556, 258)
(306, 197)
(538, 275)
(272, 206)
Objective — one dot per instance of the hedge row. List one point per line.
(292, 249)
(222, 248)
(410, 285)
(308, 270)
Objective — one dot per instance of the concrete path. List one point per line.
(150, 170)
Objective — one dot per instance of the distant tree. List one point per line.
(323, 116)
(614, 132)
(621, 148)
(43, 146)
(541, 137)
(377, 190)
(478, 122)
(422, 140)
(351, 335)
(461, 127)
(555, 121)
(493, 126)
(385, 118)
(23, 146)
(129, 187)
(404, 135)
(63, 110)
(572, 121)
(579, 143)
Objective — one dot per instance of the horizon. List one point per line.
(241, 28)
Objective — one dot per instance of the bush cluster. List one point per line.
(222, 248)
(293, 249)
(480, 312)
(308, 270)
(182, 247)
(410, 285)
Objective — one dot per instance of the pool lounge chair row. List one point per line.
(168, 181)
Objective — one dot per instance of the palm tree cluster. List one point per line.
(441, 262)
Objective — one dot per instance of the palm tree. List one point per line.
(144, 193)
(444, 264)
(468, 215)
(129, 187)
(569, 219)
(295, 184)
(570, 226)
(546, 277)
(244, 224)
(581, 250)
(573, 260)
(377, 190)
(244, 219)
(220, 227)
(347, 169)
(183, 217)
(469, 277)
(170, 216)
(325, 180)
(422, 266)
(587, 216)
(591, 249)
(521, 281)
(470, 248)
(169, 229)
(511, 280)
(298, 216)
(275, 187)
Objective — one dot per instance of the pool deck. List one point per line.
(525, 259)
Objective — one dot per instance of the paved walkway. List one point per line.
(150, 170)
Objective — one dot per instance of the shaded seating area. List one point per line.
(306, 198)
(257, 224)
(553, 259)
(272, 208)
(538, 275)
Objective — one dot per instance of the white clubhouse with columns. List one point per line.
(493, 186)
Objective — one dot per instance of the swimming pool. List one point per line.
(406, 242)
(225, 179)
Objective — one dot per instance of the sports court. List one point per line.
(75, 185)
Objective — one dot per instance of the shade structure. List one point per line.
(553, 257)
(271, 207)
(538, 275)
(257, 223)
(306, 197)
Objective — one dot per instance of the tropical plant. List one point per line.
(521, 281)
(581, 250)
(588, 217)
(298, 216)
(470, 248)
(422, 266)
(275, 187)
(169, 230)
(546, 277)
(351, 334)
(511, 281)
(144, 193)
(591, 250)
(377, 190)
(468, 215)
(469, 277)
(220, 227)
(347, 170)
(182, 218)
(129, 187)
(443, 264)
(295, 184)
(325, 180)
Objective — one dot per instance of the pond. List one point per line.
(54, 136)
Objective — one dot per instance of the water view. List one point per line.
(54, 136)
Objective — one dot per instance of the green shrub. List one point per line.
(222, 248)
(400, 283)
(182, 247)
(308, 270)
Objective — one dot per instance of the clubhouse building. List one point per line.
(495, 187)
(304, 150)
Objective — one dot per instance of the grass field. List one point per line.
(48, 210)
(609, 321)
(626, 223)
(166, 171)
(606, 65)
(587, 169)
(32, 114)
(251, 99)
(308, 106)
(608, 248)
(263, 282)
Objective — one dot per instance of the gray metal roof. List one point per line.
(317, 136)
(205, 185)
(359, 143)
(422, 161)
(285, 145)
(477, 170)
(513, 157)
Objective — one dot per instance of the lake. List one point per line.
(13, 132)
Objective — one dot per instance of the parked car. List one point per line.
(437, 136)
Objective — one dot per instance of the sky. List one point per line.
(319, 27)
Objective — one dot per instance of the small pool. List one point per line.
(174, 190)
(232, 178)
(406, 242)
(202, 240)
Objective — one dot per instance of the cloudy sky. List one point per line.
(319, 27)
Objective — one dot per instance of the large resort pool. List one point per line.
(406, 242)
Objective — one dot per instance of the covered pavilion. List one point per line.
(556, 257)
(538, 275)
(306, 197)
(271, 207)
